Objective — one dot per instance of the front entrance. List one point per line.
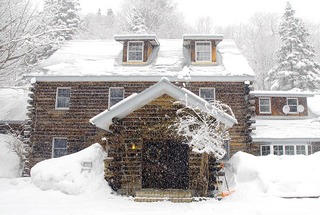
(165, 165)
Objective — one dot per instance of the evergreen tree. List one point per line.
(295, 66)
(138, 23)
(64, 15)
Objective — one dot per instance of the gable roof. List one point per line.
(136, 101)
(87, 60)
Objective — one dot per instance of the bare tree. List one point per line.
(205, 135)
(24, 38)
(204, 25)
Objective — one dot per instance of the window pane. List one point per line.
(265, 150)
(278, 150)
(116, 95)
(63, 97)
(135, 51)
(59, 147)
(207, 94)
(203, 50)
(265, 109)
(301, 149)
(293, 104)
(289, 150)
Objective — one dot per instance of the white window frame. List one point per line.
(265, 112)
(293, 105)
(196, 51)
(307, 147)
(57, 98)
(111, 88)
(208, 88)
(128, 51)
(53, 146)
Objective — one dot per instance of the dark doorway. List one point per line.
(165, 165)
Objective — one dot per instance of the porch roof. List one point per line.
(136, 101)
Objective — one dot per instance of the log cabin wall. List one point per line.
(277, 104)
(91, 98)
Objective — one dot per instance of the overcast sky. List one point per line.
(223, 12)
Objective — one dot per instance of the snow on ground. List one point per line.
(68, 175)
(258, 182)
(9, 161)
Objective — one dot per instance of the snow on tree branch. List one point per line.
(203, 133)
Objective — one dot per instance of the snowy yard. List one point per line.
(59, 186)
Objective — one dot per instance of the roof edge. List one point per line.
(282, 93)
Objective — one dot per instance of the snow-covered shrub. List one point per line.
(10, 165)
(68, 175)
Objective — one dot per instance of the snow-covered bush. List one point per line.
(10, 165)
(68, 175)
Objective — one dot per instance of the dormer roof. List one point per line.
(201, 37)
(162, 87)
(138, 37)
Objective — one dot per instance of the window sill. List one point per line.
(204, 63)
(62, 108)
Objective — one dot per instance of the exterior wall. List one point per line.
(90, 98)
(277, 104)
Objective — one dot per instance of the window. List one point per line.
(301, 149)
(264, 105)
(289, 150)
(59, 147)
(63, 98)
(207, 94)
(135, 51)
(203, 52)
(286, 149)
(265, 150)
(116, 94)
(293, 104)
(277, 150)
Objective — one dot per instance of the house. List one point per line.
(125, 94)
(285, 123)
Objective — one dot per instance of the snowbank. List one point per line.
(9, 161)
(284, 176)
(67, 174)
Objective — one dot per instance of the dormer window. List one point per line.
(203, 52)
(138, 48)
(135, 51)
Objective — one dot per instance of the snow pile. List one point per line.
(13, 104)
(67, 174)
(9, 161)
(283, 176)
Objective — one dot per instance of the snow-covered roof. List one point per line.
(102, 61)
(202, 37)
(13, 106)
(268, 130)
(125, 37)
(136, 101)
(314, 105)
(281, 93)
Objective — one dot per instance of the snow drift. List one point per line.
(68, 175)
(283, 176)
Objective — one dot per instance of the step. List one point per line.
(166, 193)
(174, 200)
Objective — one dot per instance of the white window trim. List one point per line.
(56, 103)
(289, 105)
(269, 112)
(284, 148)
(53, 140)
(196, 56)
(203, 88)
(142, 52)
(109, 99)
